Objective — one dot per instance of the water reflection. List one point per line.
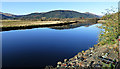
(55, 26)
(71, 26)
(39, 47)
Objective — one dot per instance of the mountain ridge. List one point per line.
(50, 14)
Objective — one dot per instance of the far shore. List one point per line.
(19, 24)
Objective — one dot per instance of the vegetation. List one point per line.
(103, 55)
(108, 38)
(110, 27)
(26, 24)
(56, 14)
(8, 16)
(119, 17)
(110, 33)
(49, 18)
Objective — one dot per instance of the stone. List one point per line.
(65, 60)
(59, 63)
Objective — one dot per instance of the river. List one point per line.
(39, 47)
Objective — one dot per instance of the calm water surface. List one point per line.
(39, 47)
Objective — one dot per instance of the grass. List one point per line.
(18, 23)
(24, 23)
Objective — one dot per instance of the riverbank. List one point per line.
(96, 57)
(20, 23)
(100, 57)
(103, 55)
(23, 24)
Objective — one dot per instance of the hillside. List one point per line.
(8, 16)
(53, 14)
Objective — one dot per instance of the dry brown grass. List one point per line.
(17, 23)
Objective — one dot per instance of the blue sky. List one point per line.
(22, 8)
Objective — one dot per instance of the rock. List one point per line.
(90, 55)
(83, 51)
(59, 63)
(49, 67)
(91, 63)
(81, 58)
(87, 54)
(79, 55)
(65, 60)
(75, 57)
(97, 65)
(93, 57)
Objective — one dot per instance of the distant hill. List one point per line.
(53, 14)
(8, 16)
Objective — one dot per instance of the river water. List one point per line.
(39, 47)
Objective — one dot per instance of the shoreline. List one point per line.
(36, 26)
(96, 57)
(99, 56)
(20, 24)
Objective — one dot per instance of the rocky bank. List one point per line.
(99, 57)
